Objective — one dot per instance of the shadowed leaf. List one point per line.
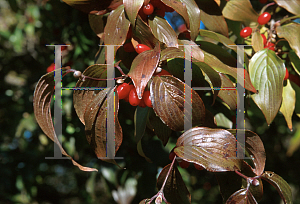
(288, 103)
(194, 17)
(280, 184)
(162, 30)
(175, 190)
(292, 6)
(180, 8)
(240, 10)
(41, 104)
(291, 33)
(267, 71)
(132, 8)
(167, 97)
(294, 143)
(141, 152)
(97, 24)
(295, 61)
(140, 121)
(213, 149)
(242, 196)
(142, 69)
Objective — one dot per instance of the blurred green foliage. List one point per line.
(27, 177)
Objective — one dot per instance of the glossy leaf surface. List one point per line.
(132, 8)
(292, 6)
(194, 17)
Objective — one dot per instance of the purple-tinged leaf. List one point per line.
(132, 8)
(242, 196)
(194, 17)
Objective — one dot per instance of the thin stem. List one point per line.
(289, 18)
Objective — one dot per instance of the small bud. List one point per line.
(158, 70)
(158, 200)
(77, 74)
(255, 182)
(273, 40)
(273, 35)
(120, 81)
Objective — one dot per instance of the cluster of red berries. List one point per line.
(263, 19)
(182, 163)
(128, 93)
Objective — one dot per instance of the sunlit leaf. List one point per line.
(41, 105)
(267, 71)
(213, 149)
(291, 33)
(240, 10)
(242, 196)
(158, 127)
(230, 97)
(117, 24)
(168, 99)
(218, 37)
(295, 61)
(171, 52)
(175, 190)
(257, 41)
(288, 103)
(196, 52)
(143, 67)
(132, 8)
(163, 31)
(82, 97)
(211, 16)
(254, 147)
(294, 142)
(94, 6)
(180, 8)
(194, 17)
(280, 184)
(292, 6)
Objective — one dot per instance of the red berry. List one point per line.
(141, 48)
(133, 98)
(128, 47)
(264, 18)
(270, 46)
(148, 9)
(264, 38)
(263, 1)
(286, 74)
(127, 97)
(51, 68)
(172, 155)
(198, 167)
(184, 164)
(245, 32)
(123, 90)
(147, 99)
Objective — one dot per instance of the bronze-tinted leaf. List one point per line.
(96, 123)
(292, 6)
(94, 6)
(116, 28)
(267, 71)
(194, 17)
(97, 24)
(41, 104)
(240, 10)
(171, 52)
(167, 97)
(280, 184)
(163, 31)
(255, 147)
(225, 69)
(180, 8)
(82, 97)
(257, 41)
(213, 149)
(218, 37)
(175, 190)
(211, 16)
(196, 52)
(155, 124)
(229, 96)
(132, 8)
(291, 33)
(144, 34)
(288, 103)
(242, 196)
(143, 67)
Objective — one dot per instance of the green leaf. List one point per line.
(297, 90)
(141, 152)
(241, 196)
(213, 149)
(140, 121)
(41, 106)
(116, 27)
(180, 8)
(293, 6)
(97, 24)
(295, 61)
(257, 41)
(196, 52)
(218, 37)
(267, 71)
(294, 142)
(142, 69)
(132, 8)
(211, 16)
(288, 103)
(194, 17)
(175, 190)
(163, 31)
(93, 6)
(230, 97)
(291, 33)
(281, 186)
(167, 97)
(240, 10)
